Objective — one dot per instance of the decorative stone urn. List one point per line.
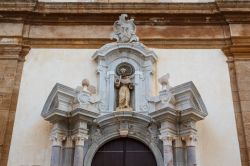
(84, 119)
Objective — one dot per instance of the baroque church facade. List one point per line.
(124, 83)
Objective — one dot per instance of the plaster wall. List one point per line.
(217, 145)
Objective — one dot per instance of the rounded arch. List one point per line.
(95, 146)
(142, 51)
(124, 150)
(118, 61)
(140, 133)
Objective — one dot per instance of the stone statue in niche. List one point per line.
(125, 86)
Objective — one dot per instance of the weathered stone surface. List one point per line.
(168, 155)
(240, 29)
(79, 156)
(245, 105)
(244, 95)
(11, 29)
(56, 156)
(10, 76)
(238, 77)
(191, 156)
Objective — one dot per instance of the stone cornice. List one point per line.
(35, 12)
(102, 13)
(239, 52)
(96, 7)
(13, 52)
(160, 25)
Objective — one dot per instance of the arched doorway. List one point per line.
(124, 152)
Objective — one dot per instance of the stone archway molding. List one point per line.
(126, 124)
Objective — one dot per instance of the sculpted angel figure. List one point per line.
(124, 84)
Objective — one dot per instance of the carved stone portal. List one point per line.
(123, 106)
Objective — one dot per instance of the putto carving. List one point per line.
(124, 30)
(86, 87)
(152, 133)
(96, 134)
(85, 92)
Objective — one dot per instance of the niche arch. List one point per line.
(137, 55)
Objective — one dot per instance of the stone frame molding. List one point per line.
(86, 121)
(87, 130)
(126, 124)
(137, 55)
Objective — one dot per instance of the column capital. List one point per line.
(79, 139)
(167, 139)
(191, 140)
(69, 142)
(57, 138)
(178, 142)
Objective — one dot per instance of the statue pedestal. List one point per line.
(124, 109)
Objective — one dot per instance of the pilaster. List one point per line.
(167, 138)
(167, 149)
(238, 59)
(79, 135)
(111, 90)
(179, 152)
(57, 138)
(191, 143)
(11, 66)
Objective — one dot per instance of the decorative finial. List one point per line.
(124, 30)
(85, 84)
(164, 81)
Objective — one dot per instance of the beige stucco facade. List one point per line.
(207, 68)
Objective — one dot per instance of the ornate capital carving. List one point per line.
(69, 142)
(191, 140)
(57, 138)
(80, 138)
(178, 142)
(167, 139)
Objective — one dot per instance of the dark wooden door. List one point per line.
(124, 152)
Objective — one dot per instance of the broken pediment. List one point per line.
(126, 56)
(122, 105)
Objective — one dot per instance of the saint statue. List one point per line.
(124, 84)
